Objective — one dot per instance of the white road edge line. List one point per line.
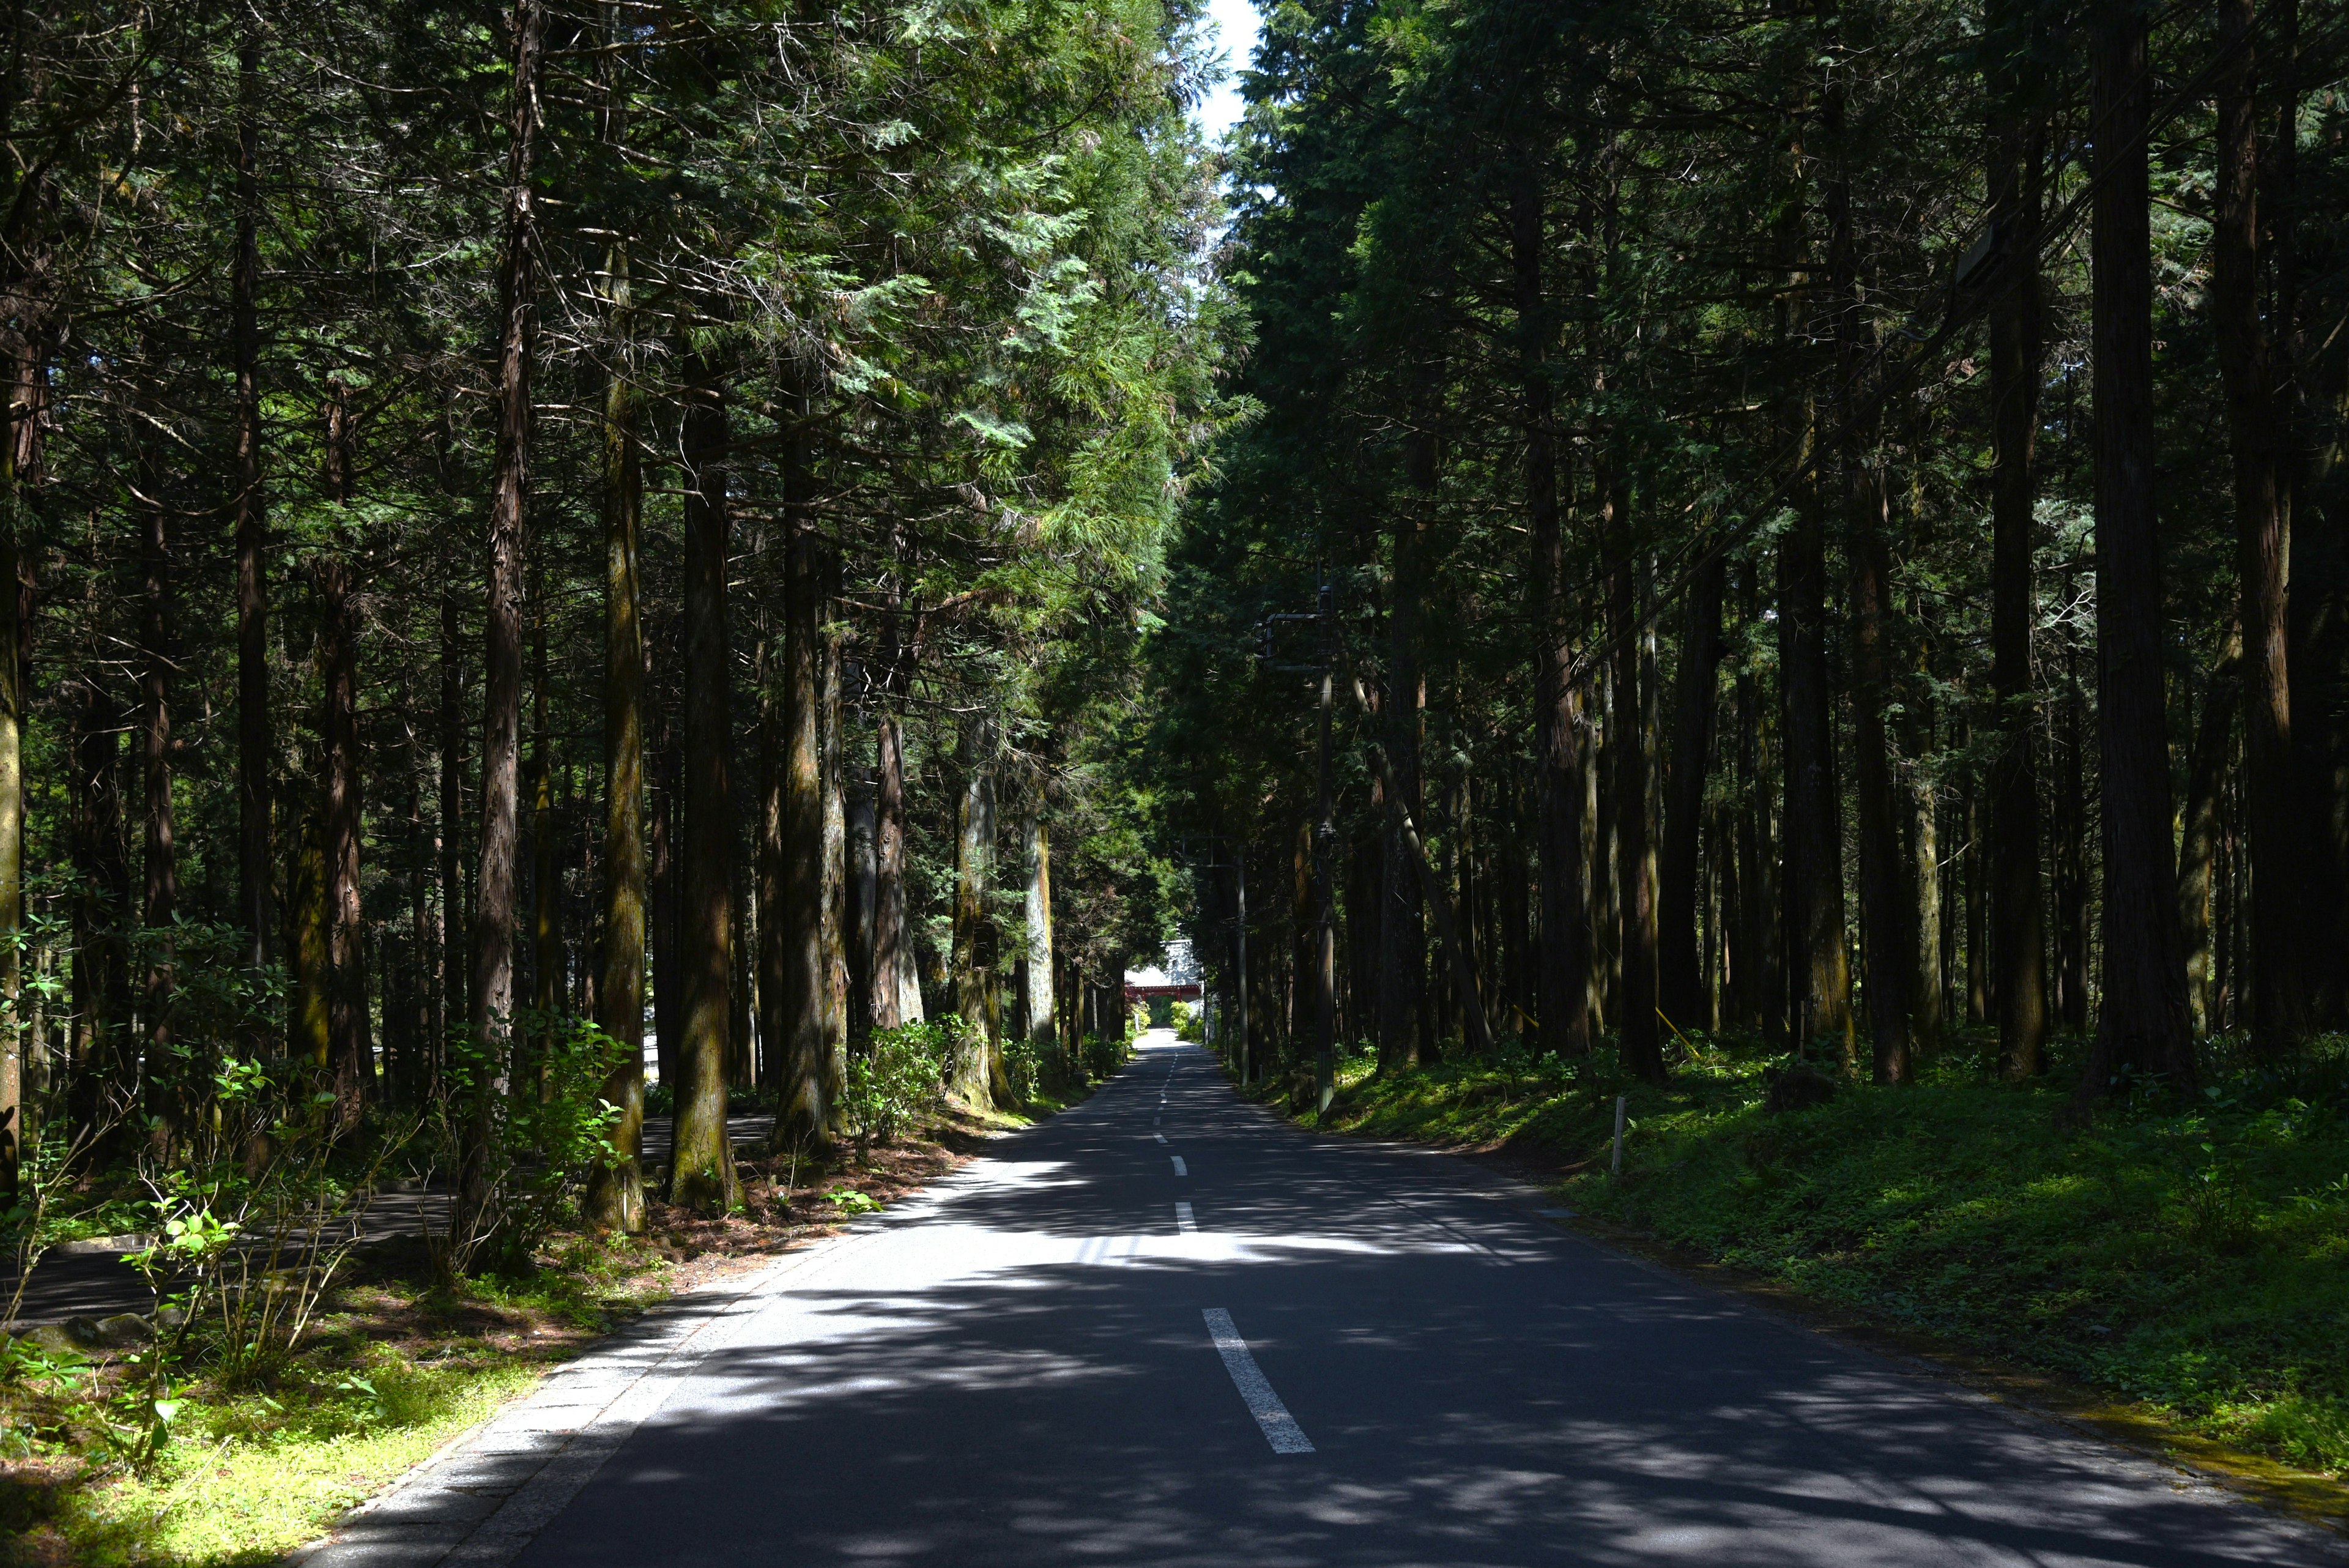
(1180, 1169)
(1183, 1222)
(1281, 1428)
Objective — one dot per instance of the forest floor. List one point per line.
(393, 1371)
(2170, 1272)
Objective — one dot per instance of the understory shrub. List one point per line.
(898, 1077)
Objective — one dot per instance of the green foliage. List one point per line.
(898, 1077)
(1103, 1057)
(548, 1121)
(1190, 1023)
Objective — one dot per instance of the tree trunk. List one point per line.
(1040, 929)
(1818, 978)
(14, 681)
(546, 859)
(661, 891)
(805, 1113)
(701, 1168)
(1520, 1002)
(2018, 907)
(973, 864)
(863, 891)
(1759, 973)
(2071, 869)
(310, 1029)
(2199, 842)
(1887, 900)
(454, 990)
(2142, 1023)
(1636, 1031)
(615, 1192)
(768, 872)
(1403, 970)
(159, 904)
(101, 901)
(2256, 430)
(491, 1009)
(890, 959)
(834, 1060)
(1681, 978)
(350, 1052)
(251, 528)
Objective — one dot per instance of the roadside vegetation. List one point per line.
(148, 1442)
(2182, 1252)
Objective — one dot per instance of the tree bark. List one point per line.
(806, 1113)
(2143, 1024)
(889, 953)
(1561, 960)
(1403, 983)
(2256, 431)
(2018, 904)
(701, 1167)
(2199, 842)
(1680, 978)
(661, 891)
(491, 1010)
(15, 683)
(1818, 977)
(1886, 899)
(252, 735)
(546, 859)
(701, 1173)
(1636, 1031)
(350, 1052)
(455, 991)
(1039, 910)
(102, 908)
(864, 893)
(615, 1192)
(834, 850)
(159, 904)
(974, 867)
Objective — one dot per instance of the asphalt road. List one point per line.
(1295, 1351)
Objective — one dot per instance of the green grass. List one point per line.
(246, 1482)
(2191, 1257)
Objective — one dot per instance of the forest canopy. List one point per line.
(542, 530)
(1833, 527)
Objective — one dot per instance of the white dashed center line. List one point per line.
(1183, 1223)
(1281, 1428)
(1180, 1169)
(1160, 1137)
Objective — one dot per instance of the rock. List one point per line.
(51, 1337)
(124, 1329)
(172, 1317)
(1797, 1088)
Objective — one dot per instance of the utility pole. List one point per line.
(1324, 618)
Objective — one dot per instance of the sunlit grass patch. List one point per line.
(234, 1489)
